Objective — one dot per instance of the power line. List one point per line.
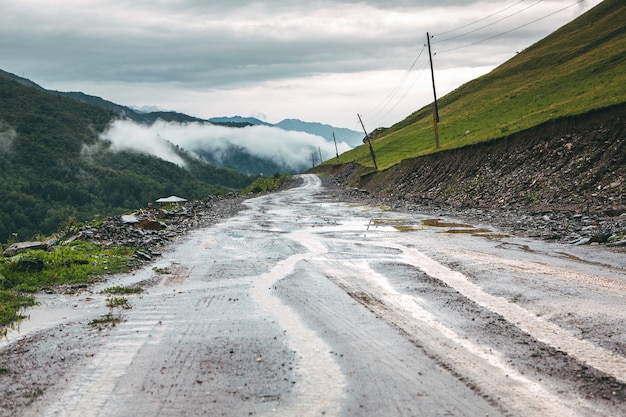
(403, 96)
(374, 115)
(380, 107)
(511, 30)
(478, 21)
(491, 24)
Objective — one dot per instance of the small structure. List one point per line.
(171, 199)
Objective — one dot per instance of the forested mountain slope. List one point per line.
(53, 165)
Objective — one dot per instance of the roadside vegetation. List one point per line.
(76, 263)
(264, 184)
(118, 290)
(579, 68)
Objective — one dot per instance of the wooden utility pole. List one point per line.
(336, 150)
(367, 137)
(435, 106)
(320, 151)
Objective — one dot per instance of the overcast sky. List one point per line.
(315, 60)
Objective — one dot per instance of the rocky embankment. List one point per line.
(152, 228)
(563, 180)
(147, 229)
(552, 225)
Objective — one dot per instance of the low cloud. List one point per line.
(292, 150)
(126, 135)
(7, 137)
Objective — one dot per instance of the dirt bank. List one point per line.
(562, 180)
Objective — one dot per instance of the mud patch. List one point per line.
(33, 366)
(442, 223)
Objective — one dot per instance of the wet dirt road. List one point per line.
(302, 306)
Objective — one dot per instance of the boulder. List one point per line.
(16, 248)
(147, 224)
(129, 219)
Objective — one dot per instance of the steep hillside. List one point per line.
(53, 165)
(579, 68)
(561, 105)
(575, 164)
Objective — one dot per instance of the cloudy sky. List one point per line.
(316, 60)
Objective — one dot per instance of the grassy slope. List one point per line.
(578, 68)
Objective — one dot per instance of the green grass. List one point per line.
(11, 304)
(122, 302)
(77, 263)
(263, 184)
(579, 68)
(105, 321)
(118, 290)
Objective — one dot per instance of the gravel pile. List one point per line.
(151, 228)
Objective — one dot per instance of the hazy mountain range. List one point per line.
(215, 139)
(72, 155)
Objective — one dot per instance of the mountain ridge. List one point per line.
(54, 165)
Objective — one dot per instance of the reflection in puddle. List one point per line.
(468, 231)
(441, 223)
(406, 228)
(461, 228)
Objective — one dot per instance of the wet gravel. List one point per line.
(25, 375)
(152, 228)
(551, 225)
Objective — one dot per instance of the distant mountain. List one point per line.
(351, 137)
(20, 80)
(233, 153)
(239, 159)
(97, 101)
(54, 165)
(238, 121)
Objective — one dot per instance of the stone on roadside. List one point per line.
(16, 248)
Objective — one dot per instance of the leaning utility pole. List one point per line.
(336, 150)
(435, 107)
(367, 137)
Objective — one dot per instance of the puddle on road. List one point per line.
(441, 223)
(468, 231)
(406, 228)
(462, 228)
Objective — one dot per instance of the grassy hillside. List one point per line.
(47, 174)
(578, 68)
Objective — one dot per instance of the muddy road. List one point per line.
(303, 306)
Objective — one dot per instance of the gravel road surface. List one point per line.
(304, 306)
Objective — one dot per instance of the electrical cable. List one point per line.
(478, 21)
(379, 108)
(511, 30)
(404, 95)
(490, 24)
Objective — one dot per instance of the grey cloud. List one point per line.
(198, 45)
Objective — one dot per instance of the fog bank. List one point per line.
(289, 149)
